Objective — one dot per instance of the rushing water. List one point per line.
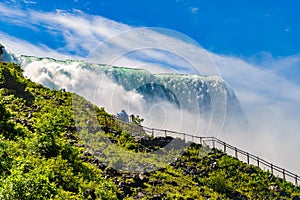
(139, 91)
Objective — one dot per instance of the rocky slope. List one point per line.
(43, 154)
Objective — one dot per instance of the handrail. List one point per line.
(259, 160)
(204, 139)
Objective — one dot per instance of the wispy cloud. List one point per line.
(80, 31)
(286, 67)
(29, 2)
(194, 9)
(10, 12)
(21, 47)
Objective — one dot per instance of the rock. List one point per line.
(274, 188)
(72, 128)
(90, 193)
(29, 115)
(140, 195)
(284, 193)
(125, 188)
(251, 170)
(87, 153)
(143, 177)
(271, 178)
(157, 197)
(84, 158)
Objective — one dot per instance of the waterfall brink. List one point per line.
(139, 91)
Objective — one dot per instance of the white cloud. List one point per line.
(80, 31)
(10, 12)
(83, 32)
(287, 67)
(29, 2)
(271, 104)
(21, 47)
(194, 9)
(165, 46)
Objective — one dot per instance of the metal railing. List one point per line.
(212, 142)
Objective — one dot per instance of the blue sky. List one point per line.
(231, 27)
(264, 33)
(241, 28)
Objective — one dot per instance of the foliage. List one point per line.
(37, 160)
(43, 155)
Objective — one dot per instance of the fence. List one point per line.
(254, 160)
(212, 142)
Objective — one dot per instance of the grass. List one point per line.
(57, 145)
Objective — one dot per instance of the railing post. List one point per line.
(272, 169)
(236, 153)
(296, 180)
(165, 133)
(184, 137)
(214, 146)
(152, 133)
(224, 147)
(283, 174)
(201, 141)
(257, 158)
(248, 162)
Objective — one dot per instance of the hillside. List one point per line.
(43, 156)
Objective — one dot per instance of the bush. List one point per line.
(48, 140)
(219, 182)
(27, 186)
(7, 128)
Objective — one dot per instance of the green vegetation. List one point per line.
(37, 158)
(44, 155)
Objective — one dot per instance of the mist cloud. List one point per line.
(271, 104)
